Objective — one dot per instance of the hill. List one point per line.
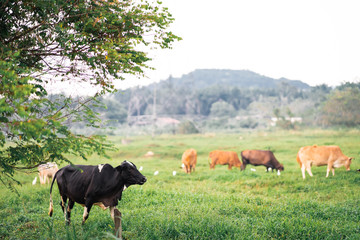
(203, 78)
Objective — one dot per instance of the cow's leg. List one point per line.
(303, 171)
(63, 202)
(87, 209)
(308, 169)
(63, 207)
(330, 167)
(41, 179)
(229, 166)
(243, 165)
(68, 211)
(116, 216)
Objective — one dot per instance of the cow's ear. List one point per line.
(351, 158)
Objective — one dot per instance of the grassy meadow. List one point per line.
(208, 204)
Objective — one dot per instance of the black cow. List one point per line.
(100, 185)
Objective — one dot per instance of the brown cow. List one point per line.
(47, 172)
(260, 157)
(331, 156)
(189, 159)
(224, 158)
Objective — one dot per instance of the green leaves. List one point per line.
(342, 108)
(96, 42)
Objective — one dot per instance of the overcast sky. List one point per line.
(313, 41)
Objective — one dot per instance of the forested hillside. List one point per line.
(204, 78)
(228, 100)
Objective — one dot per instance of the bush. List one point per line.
(187, 127)
(221, 108)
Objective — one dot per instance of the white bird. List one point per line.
(34, 181)
(253, 169)
(174, 173)
(140, 168)
(278, 173)
(156, 173)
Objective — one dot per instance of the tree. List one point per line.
(221, 109)
(342, 108)
(187, 127)
(94, 42)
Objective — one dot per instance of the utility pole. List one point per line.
(154, 112)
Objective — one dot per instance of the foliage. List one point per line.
(284, 122)
(207, 204)
(222, 108)
(187, 127)
(94, 42)
(342, 108)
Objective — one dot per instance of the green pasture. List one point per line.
(208, 204)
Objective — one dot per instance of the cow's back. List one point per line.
(319, 155)
(258, 157)
(74, 181)
(224, 157)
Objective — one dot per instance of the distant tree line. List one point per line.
(319, 106)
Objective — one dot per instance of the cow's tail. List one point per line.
(51, 208)
(298, 160)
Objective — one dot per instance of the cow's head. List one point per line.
(281, 168)
(130, 174)
(347, 163)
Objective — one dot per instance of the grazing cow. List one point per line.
(260, 157)
(47, 172)
(224, 158)
(331, 156)
(100, 185)
(189, 159)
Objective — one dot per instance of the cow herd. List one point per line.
(102, 185)
(331, 156)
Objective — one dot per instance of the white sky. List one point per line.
(314, 41)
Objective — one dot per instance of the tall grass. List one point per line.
(208, 204)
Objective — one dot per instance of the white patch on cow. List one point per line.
(278, 173)
(141, 168)
(338, 163)
(100, 204)
(100, 166)
(112, 209)
(34, 181)
(174, 173)
(124, 188)
(130, 163)
(85, 213)
(253, 169)
(156, 173)
(269, 169)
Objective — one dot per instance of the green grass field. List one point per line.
(208, 204)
